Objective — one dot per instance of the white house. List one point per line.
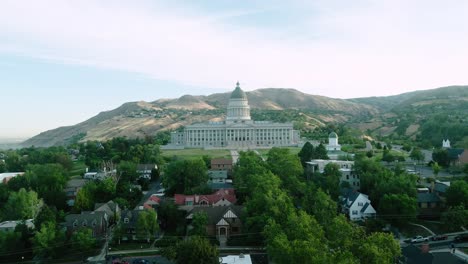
(333, 142)
(348, 174)
(357, 206)
(144, 170)
(9, 226)
(236, 259)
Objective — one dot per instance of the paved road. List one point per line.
(153, 188)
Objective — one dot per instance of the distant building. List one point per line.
(72, 188)
(221, 164)
(334, 151)
(357, 206)
(238, 130)
(236, 259)
(145, 170)
(217, 176)
(7, 176)
(9, 226)
(95, 220)
(223, 197)
(446, 143)
(348, 174)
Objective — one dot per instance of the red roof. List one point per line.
(153, 199)
(221, 161)
(227, 194)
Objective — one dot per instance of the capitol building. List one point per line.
(237, 131)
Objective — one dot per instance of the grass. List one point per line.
(129, 246)
(194, 153)
(78, 170)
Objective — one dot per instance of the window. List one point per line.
(360, 204)
(355, 212)
(126, 220)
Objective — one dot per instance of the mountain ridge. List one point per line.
(141, 118)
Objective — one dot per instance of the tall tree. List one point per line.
(306, 153)
(22, 205)
(147, 225)
(379, 248)
(455, 217)
(199, 222)
(195, 250)
(394, 206)
(321, 152)
(457, 193)
(320, 205)
(83, 240)
(48, 241)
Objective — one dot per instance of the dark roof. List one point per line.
(454, 153)
(219, 185)
(428, 198)
(365, 207)
(215, 213)
(217, 174)
(440, 187)
(132, 216)
(238, 93)
(89, 217)
(414, 255)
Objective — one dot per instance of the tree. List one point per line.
(321, 152)
(183, 176)
(455, 217)
(85, 198)
(199, 222)
(379, 248)
(416, 154)
(435, 168)
(332, 175)
(147, 225)
(288, 168)
(441, 157)
(320, 205)
(22, 205)
(83, 240)
(48, 241)
(398, 209)
(195, 250)
(457, 194)
(306, 153)
(387, 156)
(128, 171)
(45, 215)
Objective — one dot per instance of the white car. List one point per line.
(418, 239)
(160, 192)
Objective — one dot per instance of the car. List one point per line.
(439, 237)
(140, 261)
(419, 239)
(461, 238)
(160, 192)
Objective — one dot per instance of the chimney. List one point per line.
(241, 256)
(425, 248)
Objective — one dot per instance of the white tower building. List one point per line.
(238, 107)
(333, 142)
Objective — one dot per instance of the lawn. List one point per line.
(193, 153)
(78, 170)
(129, 246)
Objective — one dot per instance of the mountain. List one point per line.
(139, 119)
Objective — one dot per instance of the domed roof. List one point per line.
(332, 135)
(238, 93)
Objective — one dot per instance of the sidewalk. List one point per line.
(460, 254)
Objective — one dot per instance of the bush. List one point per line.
(167, 241)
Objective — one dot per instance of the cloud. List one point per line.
(368, 48)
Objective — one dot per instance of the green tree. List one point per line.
(417, 155)
(22, 205)
(441, 157)
(183, 176)
(435, 168)
(199, 222)
(379, 248)
(195, 250)
(306, 153)
(48, 241)
(85, 198)
(393, 206)
(288, 167)
(45, 215)
(83, 240)
(321, 152)
(455, 217)
(457, 193)
(147, 225)
(127, 171)
(320, 205)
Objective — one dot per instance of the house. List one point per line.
(356, 205)
(6, 176)
(9, 226)
(152, 202)
(440, 188)
(463, 158)
(223, 221)
(222, 197)
(95, 220)
(145, 170)
(72, 188)
(348, 174)
(217, 176)
(106, 171)
(111, 209)
(236, 259)
(429, 204)
(222, 164)
(454, 155)
(129, 222)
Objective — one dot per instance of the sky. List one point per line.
(62, 62)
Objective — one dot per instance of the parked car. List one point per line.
(461, 238)
(140, 261)
(439, 237)
(418, 239)
(160, 192)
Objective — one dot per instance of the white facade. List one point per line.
(333, 142)
(357, 206)
(446, 143)
(237, 131)
(346, 168)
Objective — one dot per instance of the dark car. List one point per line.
(140, 261)
(461, 238)
(439, 237)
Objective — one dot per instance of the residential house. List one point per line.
(9, 226)
(72, 188)
(440, 188)
(429, 204)
(102, 174)
(236, 259)
(129, 223)
(6, 176)
(145, 170)
(152, 202)
(356, 205)
(463, 158)
(222, 164)
(223, 221)
(348, 174)
(454, 155)
(96, 220)
(111, 209)
(222, 197)
(217, 176)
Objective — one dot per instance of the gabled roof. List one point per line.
(76, 183)
(441, 186)
(216, 213)
(428, 198)
(87, 217)
(109, 207)
(454, 153)
(221, 161)
(227, 194)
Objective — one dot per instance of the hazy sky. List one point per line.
(62, 62)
